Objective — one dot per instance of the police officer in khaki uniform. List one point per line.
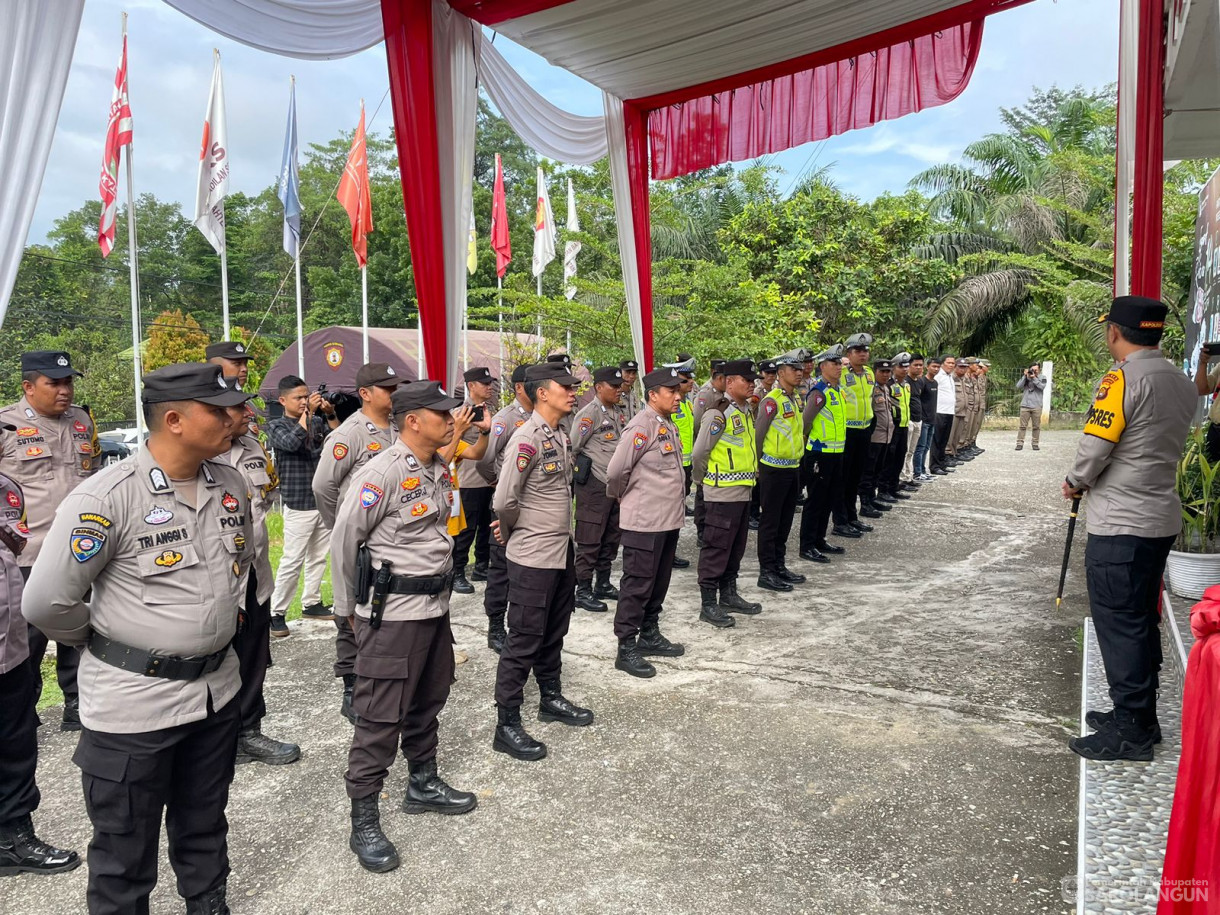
(964, 452)
(21, 851)
(232, 357)
(961, 406)
(631, 399)
(980, 369)
(504, 426)
(476, 492)
(1127, 464)
(253, 641)
(646, 476)
(879, 439)
(355, 442)
(597, 429)
(393, 568)
(52, 451)
(163, 539)
(533, 504)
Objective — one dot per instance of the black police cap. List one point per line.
(1136, 312)
(560, 358)
(550, 371)
(479, 373)
(609, 374)
(629, 365)
(377, 375)
(52, 363)
(518, 376)
(882, 365)
(233, 350)
(662, 378)
(742, 367)
(421, 395)
(192, 381)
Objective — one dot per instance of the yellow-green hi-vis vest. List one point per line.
(858, 397)
(684, 422)
(734, 457)
(828, 434)
(785, 440)
(904, 403)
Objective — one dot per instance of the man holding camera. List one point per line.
(297, 438)
(1032, 385)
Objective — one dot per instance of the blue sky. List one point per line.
(1048, 42)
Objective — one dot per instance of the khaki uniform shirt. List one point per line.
(352, 444)
(468, 474)
(533, 497)
(252, 461)
(598, 430)
(14, 647)
(883, 429)
(972, 393)
(1128, 456)
(737, 421)
(707, 398)
(48, 457)
(166, 576)
(631, 403)
(961, 400)
(504, 426)
(646, 475)
(398, 505)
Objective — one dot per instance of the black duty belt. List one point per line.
(154, 663)
(420, 584)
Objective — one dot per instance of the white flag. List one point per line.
(213, 166)
(544, 228)
(572, 248)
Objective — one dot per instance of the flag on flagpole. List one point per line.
(472, 250)
(213, 165)
(572, 247)
(290, 180)
(354, 195)
(500, 241)
(544, 228)
(118, 135)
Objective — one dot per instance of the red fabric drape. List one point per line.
(1190, 881)
(408, 42)
(635, 124)
(814, 104)
(1146, 209)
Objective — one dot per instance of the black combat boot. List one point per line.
(428, 792)
(733, 602)
(651, 642)
(375, 851)
(603, 588)
(767, 580)
(793, 578)
(496, 633)
(630, 660)
(813, 554)
(1122, 738)
(255, 746)
(552, 706)
(71, 720)
(711, 612)
(1099, 720)
(210, 903)
(585, 599)
(480, 572)
(461, 585)
(511, 737)
(349, 685)
(680, 563)
(22, 852)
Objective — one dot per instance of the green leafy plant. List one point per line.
(1196, 485)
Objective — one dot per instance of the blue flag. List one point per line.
(290, 181)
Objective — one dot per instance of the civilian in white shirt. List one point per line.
(946, 405)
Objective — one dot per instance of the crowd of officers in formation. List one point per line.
(154, 576)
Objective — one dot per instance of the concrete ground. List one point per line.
(889, 738)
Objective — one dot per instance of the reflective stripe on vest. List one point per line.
(858, 397)
(904, 404)
(734, 458)
(684, 422)
(829, 431)
(782, 445)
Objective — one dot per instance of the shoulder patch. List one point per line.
(339, 452)
(1106, 418)
(370, 495)
(717, 425)
(86, 543)
(586, 424)
(86, 517)
(639, 441)
(497, 429)
(769, 406)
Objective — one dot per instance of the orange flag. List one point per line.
(353, 193)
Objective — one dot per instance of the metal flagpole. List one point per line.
(364, 309)
(137, 333)
(419, 342)
(300, 316)
(538, 325)
(500, 310)
(224, 284)
(466, 337)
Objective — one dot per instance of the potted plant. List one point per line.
(1194, 564)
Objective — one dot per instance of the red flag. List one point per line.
(500, 241)
(118, 135)
(353, 193)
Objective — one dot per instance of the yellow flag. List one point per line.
(472, 254)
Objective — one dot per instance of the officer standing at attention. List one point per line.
(709, 397)
(684, 421)
(631, 400)
(1127, 463)
(503, 426)
(355, 442)
(533, 504)
(597, 430)
(163, 539)
(476, 491)
(881, 436)
(21, 851)
(645, 475)
(890, 482)
(825, 430)
(764, 384)
(253, 642)
(961, 406)
(856, 387)
(52, 450)
(726, 460)
(393, 568)
(780, 437)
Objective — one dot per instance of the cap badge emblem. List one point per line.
(62, 360)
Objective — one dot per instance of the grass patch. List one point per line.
(51, 693)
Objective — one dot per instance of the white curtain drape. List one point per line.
(36, 45)
(456, 92)
(620, 183)
(308, 29)
(555, 133)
